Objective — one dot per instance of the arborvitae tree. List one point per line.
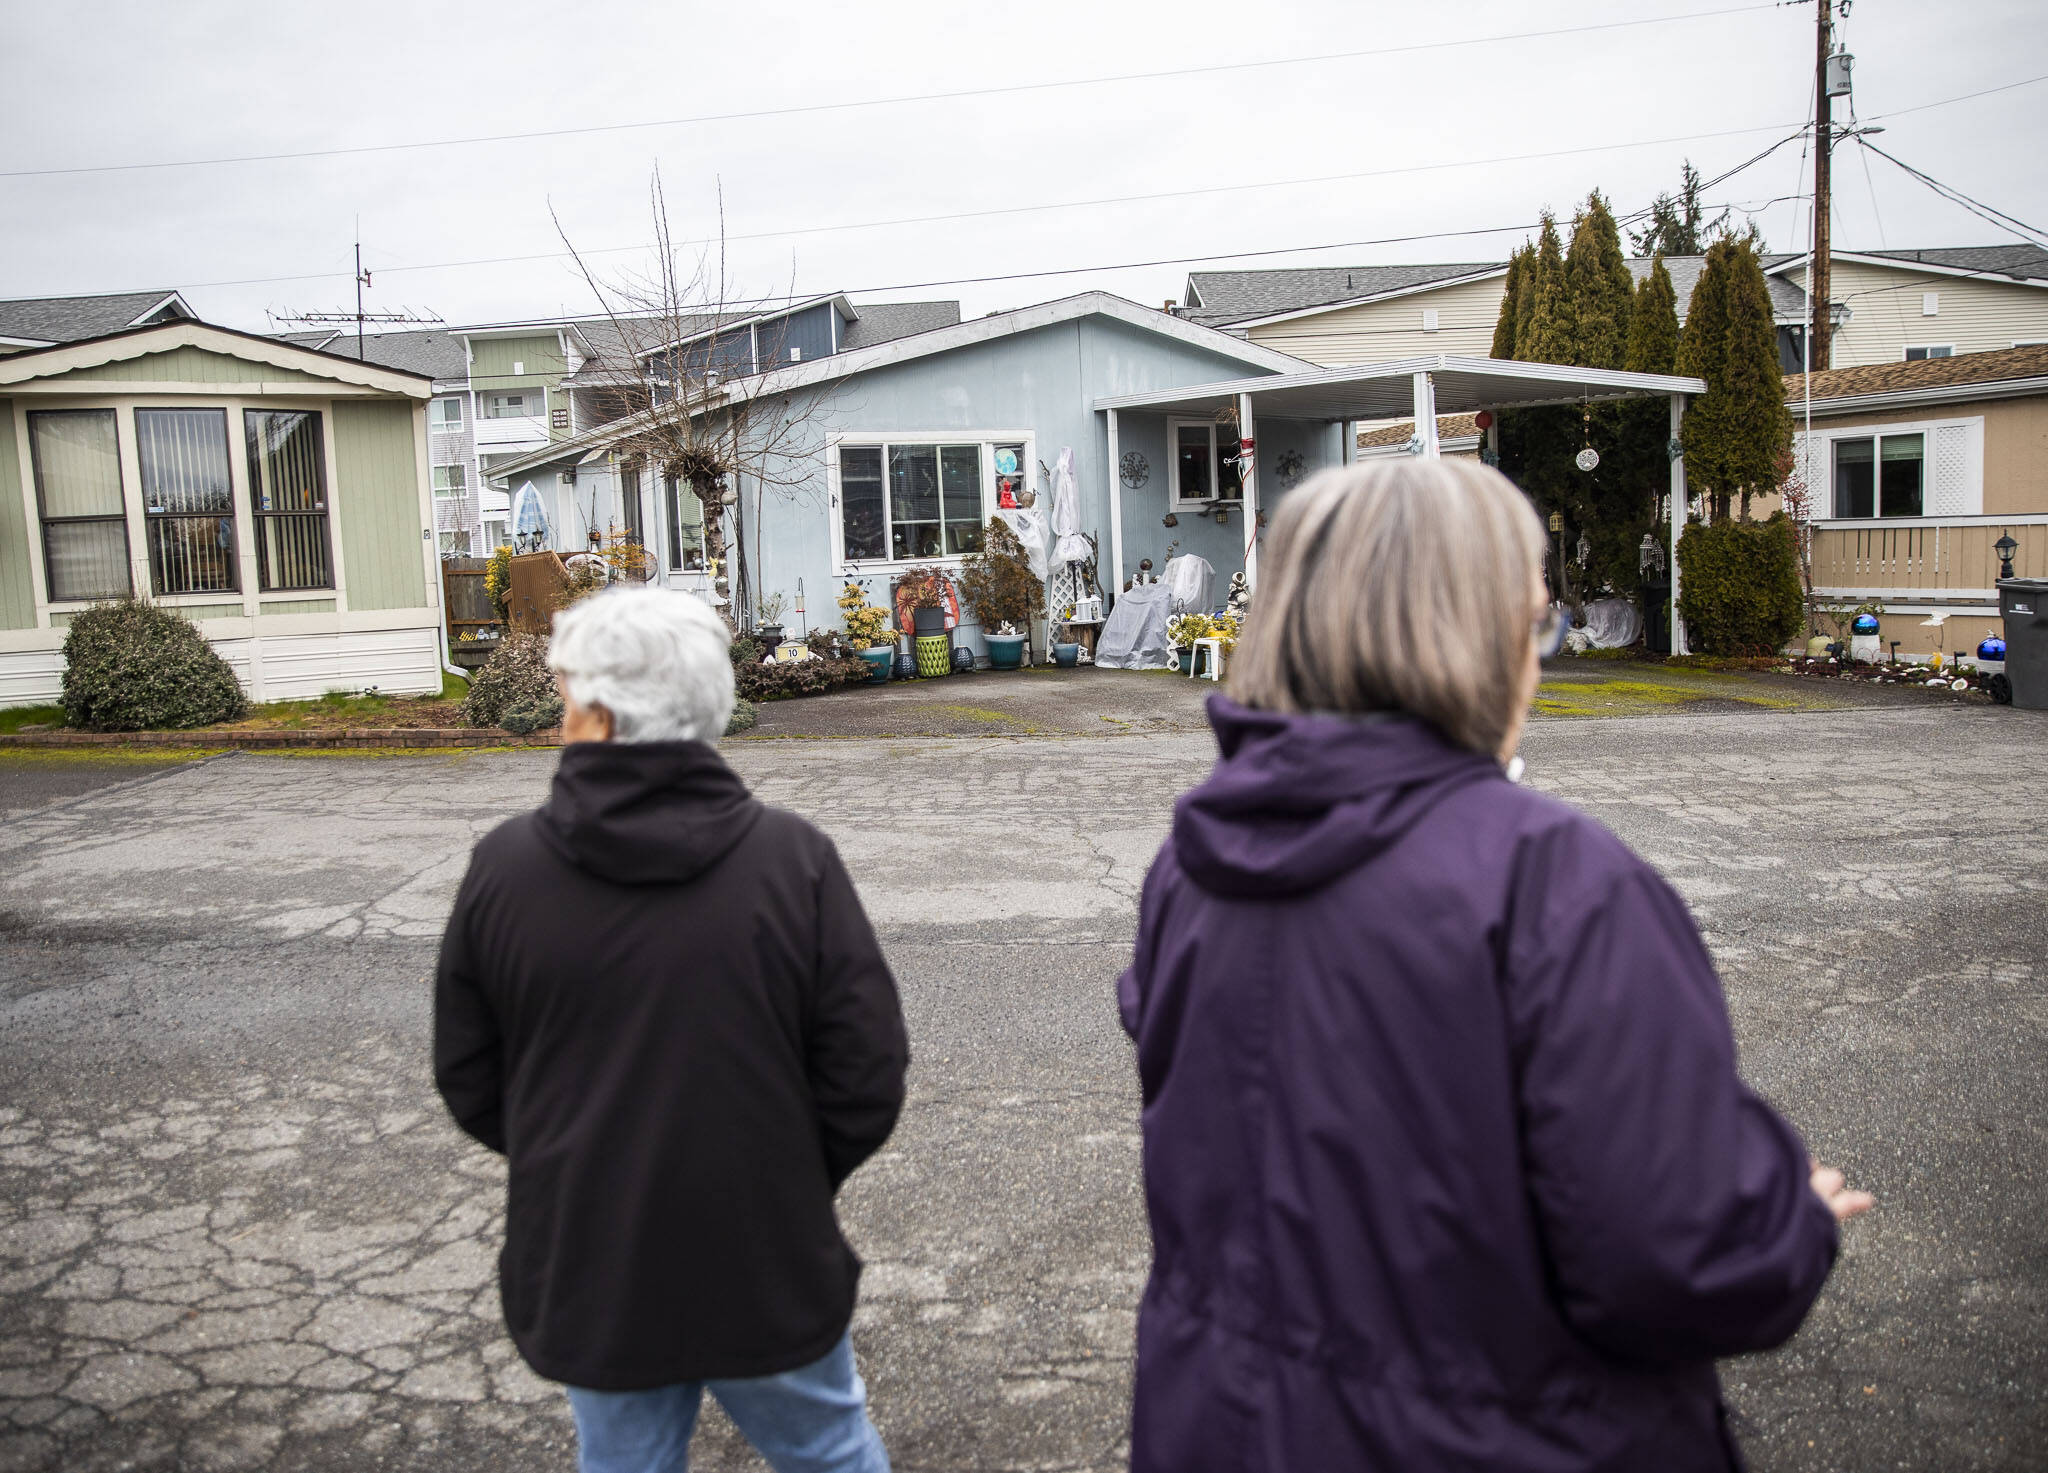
(1653, 324)
(1737, 430)
(1602, 291)
(1510, 294)
(1550, 333)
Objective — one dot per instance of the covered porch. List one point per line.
(1210, 456)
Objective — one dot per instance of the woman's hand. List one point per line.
(1833, 1188)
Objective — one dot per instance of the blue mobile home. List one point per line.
(876, 459)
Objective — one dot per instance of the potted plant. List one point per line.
(1003, 592)
(1066, 649)
(926, 606)
(768, 629)
(867, 630)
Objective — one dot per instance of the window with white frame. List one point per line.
(915, 500)
(450, 480)
(516, 404)
(1202, 466)
(188, 503)
(1918, 351)
(444, 415)
(74, 454)
(1880, 475)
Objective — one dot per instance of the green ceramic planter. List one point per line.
(934, 655)
(1005, 651)
(879, 659)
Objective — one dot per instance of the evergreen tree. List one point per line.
(1602, 291)
(1510, 295)
(1551, 331)
(1653, 324)
(1737, 430)
(1677, 225)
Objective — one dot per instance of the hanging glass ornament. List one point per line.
(1586, 459)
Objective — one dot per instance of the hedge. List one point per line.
(1738, 588)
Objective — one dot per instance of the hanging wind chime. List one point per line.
(1587, 458)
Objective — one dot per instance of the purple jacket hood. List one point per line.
(1297, 800)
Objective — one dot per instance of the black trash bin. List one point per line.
(2023, 604)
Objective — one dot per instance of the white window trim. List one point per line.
(845, 567)
(1820, 456)
(444, 426)
(1176, 500)
(251, 596)
(460, 488)
(1945, 350)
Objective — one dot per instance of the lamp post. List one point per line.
(2005, 547)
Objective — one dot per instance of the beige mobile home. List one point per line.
(278, 497)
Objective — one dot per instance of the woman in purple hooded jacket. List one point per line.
(1447, 1160)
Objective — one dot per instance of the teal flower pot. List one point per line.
(1005, 651)
(879, 659)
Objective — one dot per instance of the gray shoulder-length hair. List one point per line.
(1403, 585)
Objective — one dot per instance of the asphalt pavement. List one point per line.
(237, 1231)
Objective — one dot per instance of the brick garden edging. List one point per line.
(418, 737)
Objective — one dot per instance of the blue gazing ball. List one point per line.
(1993, 648)
(1865, 624)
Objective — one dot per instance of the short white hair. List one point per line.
(660, 661)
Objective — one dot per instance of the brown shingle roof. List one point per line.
(1926, 373)
(1448, 427)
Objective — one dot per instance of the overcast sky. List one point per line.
(1436, 139)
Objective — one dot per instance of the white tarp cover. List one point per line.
(1134, 635)
(528, 516)
(1612, 623)
(1066, 511)
(1190, 580)
(1028, 522)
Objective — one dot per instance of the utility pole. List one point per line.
(1818, 284)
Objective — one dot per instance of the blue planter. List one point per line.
(1066, 656)
(1005, 651)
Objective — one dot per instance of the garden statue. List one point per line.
(1239, 599)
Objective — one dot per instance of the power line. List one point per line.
(1900, 112)
(2010, 224)
(531, 257)
(1170, 74)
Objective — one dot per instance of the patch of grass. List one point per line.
(1625, 697)
(14, 718)
(96, 756)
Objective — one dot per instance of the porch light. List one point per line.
(2005, 547)
(1650, 556)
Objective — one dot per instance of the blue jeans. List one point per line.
(810, 1420)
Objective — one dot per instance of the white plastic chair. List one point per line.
(1214, 647)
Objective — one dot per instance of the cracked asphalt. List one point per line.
(237, 1231)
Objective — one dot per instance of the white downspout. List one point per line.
(1677, 520)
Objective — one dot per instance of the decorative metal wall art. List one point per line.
(1134, 469)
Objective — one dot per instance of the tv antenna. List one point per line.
(359, 316)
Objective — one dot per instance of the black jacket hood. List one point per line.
(646, 813)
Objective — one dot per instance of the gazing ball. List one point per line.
(1993, 648)
(1865, 624)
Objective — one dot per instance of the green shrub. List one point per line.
(743, 716)
(516, 674)
(531, 715)
(799, 678)
(1738, 587)
(132, 666)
